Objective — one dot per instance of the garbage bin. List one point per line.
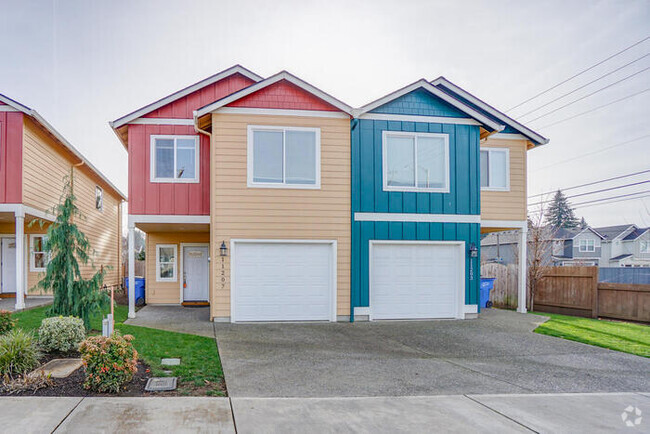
(487, 283)
(139, 289)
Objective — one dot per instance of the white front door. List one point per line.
(283, 281)
(416, 280)
(195, 273)
(8, 273)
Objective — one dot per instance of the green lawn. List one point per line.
(618, 336)
(200, 370)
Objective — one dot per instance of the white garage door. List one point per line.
(415, 280)
(283, 281)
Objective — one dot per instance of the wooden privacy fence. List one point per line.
(576, 291)
(504, 293)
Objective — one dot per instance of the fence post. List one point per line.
(594, 298)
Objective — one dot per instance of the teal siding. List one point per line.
(422, 103)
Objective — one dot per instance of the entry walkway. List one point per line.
(30, 302)
(192, 320)
(558, 413)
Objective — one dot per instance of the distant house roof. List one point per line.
(503, 237)
(62, 140)
(619, 257)
(636, 233)
(570, 233)
(611, 232)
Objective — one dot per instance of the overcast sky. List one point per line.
(83, 63)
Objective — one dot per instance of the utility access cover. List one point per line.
(161, 384)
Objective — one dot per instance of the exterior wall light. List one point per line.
(223, 249)
(473, 250)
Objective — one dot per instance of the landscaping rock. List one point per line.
(170, 362)
(161, 384)
(59, 368)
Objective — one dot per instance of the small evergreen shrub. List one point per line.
(110, 362)
(18, 353)
(7, 323)
(61, 333)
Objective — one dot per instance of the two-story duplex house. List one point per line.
(34, 160)
(270, 200)
(625, 246)
(577, 246)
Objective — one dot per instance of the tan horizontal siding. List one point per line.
(507, 205)
(167, 292)
(238, 211)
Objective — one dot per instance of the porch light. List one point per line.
(223, 250)
(473, 250)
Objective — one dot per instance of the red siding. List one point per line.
(11, 157)
(182, 108)
(147, 197)
(283, 95)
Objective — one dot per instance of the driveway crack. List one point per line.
(500, 414)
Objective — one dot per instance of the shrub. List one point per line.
(27, 382)
(110, 362)
(61, 333)
(7, 323)
(18, 353)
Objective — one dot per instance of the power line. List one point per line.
(589, 94)
(598, 151)
(583, 86)
(579, 73)
(593, 182)
(614, 201)
(594, 192)
(596, 108)
(608, 198)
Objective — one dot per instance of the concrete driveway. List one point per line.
(495, 354)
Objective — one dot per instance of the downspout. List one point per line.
(353, 126)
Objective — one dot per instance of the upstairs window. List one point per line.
(174, 159)
(39, 257)
(495, 169)
(415, 162)
(587, 246)
(99, 198)
(283, 157)
(644, 246)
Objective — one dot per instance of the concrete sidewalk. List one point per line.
(605, 412)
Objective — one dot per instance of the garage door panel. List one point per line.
(283, 282)
(410, 281)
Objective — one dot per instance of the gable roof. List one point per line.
(450, 88)
(571, 233)
(451, 100)
(282, 75)
(237, 69)
(611, 232)
(636, 233)
(50, 129)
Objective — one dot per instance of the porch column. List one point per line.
(20, 260)
(131, 271)
(523, 270)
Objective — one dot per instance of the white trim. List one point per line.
(514, 224)
(283, 112)
(250, 158)
(184, 92)
(460, 300)
(586, 245)
(284, 75)
(8, 108)
(470, 308)
(494, 112)
(20, 210)
(32, 252)
(508, 136)
(333, 277)
(187, 219)
(490, 150)
(166, 279)
(415, 118)
(162, 121)
(435, 91)
(182, 267)
(415, 136)
(152, 159)
(362, 311)
(413, 217)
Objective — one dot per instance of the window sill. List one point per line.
(37, 270)
(285, 186)
(502, 189)
(166, 280)
(173, 181)
(416, 190)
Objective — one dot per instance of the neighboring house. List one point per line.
(270, 200)
(500, 247)
(578, 247)
(34, 159)
(625, 246)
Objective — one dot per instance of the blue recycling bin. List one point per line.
(487, 283)
(139, 289)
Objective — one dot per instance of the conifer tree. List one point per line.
(68, 247)
(560, 214)
(583, 223)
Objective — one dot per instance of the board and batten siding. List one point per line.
(167, 292)
(368, 196)
(278, 213)
(507, 205)
(11, 131)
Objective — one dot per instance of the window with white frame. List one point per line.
(175, 159)
(495, 169)
(166, 262)
(587, 245)
(39, 256)
(644, 246)
(415, 162)
(283, 157)
(99, 198)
